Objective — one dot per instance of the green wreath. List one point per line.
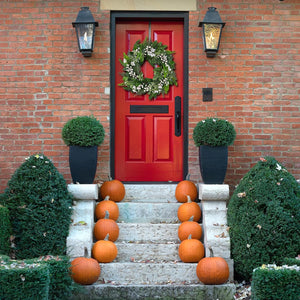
(159, 58)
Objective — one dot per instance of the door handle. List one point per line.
(177, 116)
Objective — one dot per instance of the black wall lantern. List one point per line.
(85, 31)
(212, 29)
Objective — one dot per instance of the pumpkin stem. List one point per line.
(86, 253)
(106, 237)
(188, 175)
(189, 199)
(106, 198)
(190, 236)
(106, 214)
(191, 219)
(211, 252)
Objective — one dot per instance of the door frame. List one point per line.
(142, 15)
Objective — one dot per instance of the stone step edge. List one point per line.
(197, 291)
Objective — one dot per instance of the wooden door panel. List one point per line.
(162, 138)
(135, 138)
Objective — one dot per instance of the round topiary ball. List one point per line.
(84, 131)
(264, 217)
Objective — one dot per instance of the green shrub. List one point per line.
(22, 281)
(291, 261)
(214, 132)
(5, 230)
(60, 285)
(264, 217)
(275, 283)
(83, 131)
(40, 208)
(4, 258)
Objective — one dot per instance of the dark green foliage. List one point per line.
(21, 281)
(83, 131)
(5, 230)
(291, 261)
(214, 132)
(264, 217)
(40, 208)
(59, 285)
(275, 283)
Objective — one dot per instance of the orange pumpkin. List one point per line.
(191, 250)
(185, 188)
(104, 227)
(104, 251)
(114, 189)
(85, 270)
(188, 210)
(189, 228)
(107, 205)
(212, 270)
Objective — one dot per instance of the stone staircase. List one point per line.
(147, 265)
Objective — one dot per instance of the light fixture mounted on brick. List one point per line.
(212, 29)
(85, 31)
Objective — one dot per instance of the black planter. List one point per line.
(213, 164)
(83, 163)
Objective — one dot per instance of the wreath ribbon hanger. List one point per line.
(163, 65)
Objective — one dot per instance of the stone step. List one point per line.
(148, 212)
(169, 291)
(144, 232)
(141, 252)
(148, 273)
(217, 232)
(150, 193)
(216, 217)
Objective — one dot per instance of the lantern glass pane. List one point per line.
(212, 35)
(85, 36)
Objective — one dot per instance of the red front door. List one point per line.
(148, 133)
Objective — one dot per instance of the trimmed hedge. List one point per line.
(291, 261)
(264, 218)
(59, 284)
(40, 208)
(22, 281)
(5, 230)
(276, 283)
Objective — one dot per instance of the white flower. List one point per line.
(278, 167)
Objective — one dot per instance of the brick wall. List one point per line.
(44, 81)
(255, 80)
